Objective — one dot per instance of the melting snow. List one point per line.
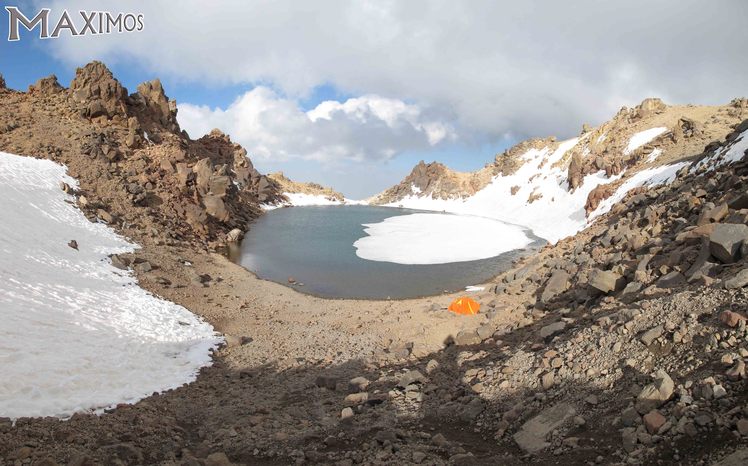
(643, 137)
(557, 214)
(653, 156)
(649, 177)
(76, 333)
(438, 239)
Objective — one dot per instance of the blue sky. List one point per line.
(25, 61)
(352, 94)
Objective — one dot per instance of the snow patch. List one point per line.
(438, 239)
(653, 156)
(77, 334)
(558, 213)
(649, 177)
(643, 137)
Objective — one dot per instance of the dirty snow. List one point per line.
(77, 334)
(438, 239)
(306, 200)
(643, 137)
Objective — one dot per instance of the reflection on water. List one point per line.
(314, 246)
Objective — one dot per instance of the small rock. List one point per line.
(467, 337)
(346, 413)
(73, 244)
(552, 329)
(738, 281)
(409, 378)
(652, 334)
(731, 318)
(653, 420)
(357, 384)
(742, 426)
(655, 394)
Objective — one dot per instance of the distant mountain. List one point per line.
(299, 193)
(556, 187)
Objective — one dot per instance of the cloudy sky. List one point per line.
(352, 93)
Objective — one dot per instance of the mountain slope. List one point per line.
(554, 187)
(299, 193)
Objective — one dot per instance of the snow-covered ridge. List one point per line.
(77, 334)
(554, 213)
(306, 200)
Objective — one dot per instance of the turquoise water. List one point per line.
(314, 245)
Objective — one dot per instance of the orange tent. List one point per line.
(464, 305)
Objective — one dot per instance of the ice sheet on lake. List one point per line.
(425, 238)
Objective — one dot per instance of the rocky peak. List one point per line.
(48, 85)
(156, 105)
(649, 106)
(2, 82)
(97, 92)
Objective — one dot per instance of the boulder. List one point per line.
(411, 377)
(557, 284)
(655, 394)
(726, 240)
(532, 436)
(552, 329)
(606, 281)
(467, 337)
(215, 207)
(739, 280)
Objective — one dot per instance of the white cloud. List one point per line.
(524, 68)
(272, 127)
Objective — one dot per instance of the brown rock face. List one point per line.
(162, 110)
(649, 107)
(48, 85)
(598, 195)
(98, 92)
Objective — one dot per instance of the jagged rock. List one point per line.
(713, 215)
(184, 173)
(606, 281)
(48, 85)
(96, 88)
(726, 240)
(162, 110)
(730, 318)
(649, 107)
(739, 280)
(215, 207)
(655, 394)
(2, 82)
(203, 170)
(575, 171)
(552, 329)
(557, 284)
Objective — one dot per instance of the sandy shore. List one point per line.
(288, 327)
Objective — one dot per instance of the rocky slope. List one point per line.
(137, 170)
(288, 186)
(568, 180)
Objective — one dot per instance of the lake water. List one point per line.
(314, 245)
